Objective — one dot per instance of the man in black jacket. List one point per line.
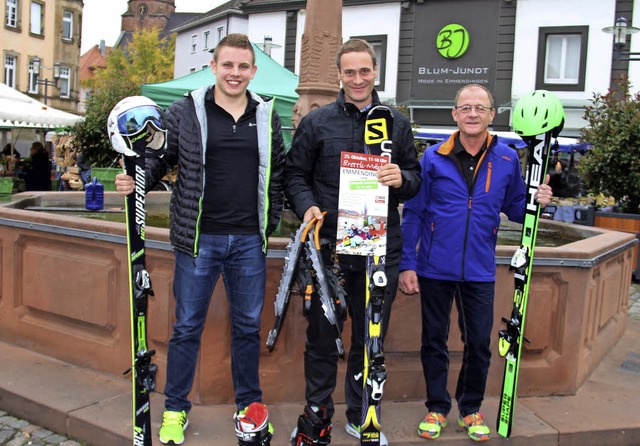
(312, 174)
(227, 200)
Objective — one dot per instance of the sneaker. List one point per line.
(252, 425)
(354, 430)
(173, 426)
(476, 429)
(432, 425)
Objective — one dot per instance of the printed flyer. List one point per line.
(362, 206)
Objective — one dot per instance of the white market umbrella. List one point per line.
(19, 110)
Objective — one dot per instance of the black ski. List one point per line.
(512, 337)
(375, 372)
(142, 370)
(378, 132)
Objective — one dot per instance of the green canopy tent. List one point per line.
(271, 79)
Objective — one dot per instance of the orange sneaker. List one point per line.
(432, 425)
(474, 424)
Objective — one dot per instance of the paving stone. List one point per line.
(55, 439)
(7, 419)
(6, 435)
(18, 424)
(19, 440)
(42, 433)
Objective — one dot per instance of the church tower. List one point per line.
(147, 14)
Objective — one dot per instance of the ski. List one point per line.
(377, 138)
(374, 374)
(136, 131)
(512, 337)
(142, 370)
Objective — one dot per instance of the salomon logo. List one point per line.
(376, 131)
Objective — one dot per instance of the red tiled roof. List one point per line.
(91, 60)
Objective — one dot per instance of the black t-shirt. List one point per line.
(468, 162)
(230, 203)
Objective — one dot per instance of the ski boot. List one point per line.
(252, 426)
(314, 428)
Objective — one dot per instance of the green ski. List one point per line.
(538, 118)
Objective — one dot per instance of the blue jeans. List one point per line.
(243, 266)
(474, 301)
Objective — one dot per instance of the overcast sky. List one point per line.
(101, 19)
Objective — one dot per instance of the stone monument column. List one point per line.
(321, 40)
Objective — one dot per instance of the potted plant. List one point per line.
(612, 164)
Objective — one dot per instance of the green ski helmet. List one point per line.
(538, 112)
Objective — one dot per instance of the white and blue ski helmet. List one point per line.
(129, 119)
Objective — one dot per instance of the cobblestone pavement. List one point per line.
(16, 432)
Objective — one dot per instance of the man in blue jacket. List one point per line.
(468, 181)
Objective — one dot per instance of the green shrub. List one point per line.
(612, 164)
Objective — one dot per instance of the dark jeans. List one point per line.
(321, 355)
(474, 301)
(240, 260)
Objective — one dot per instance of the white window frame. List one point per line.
(33, 77)
(64, 82)
(205, 40)
(566, 51)
(206, 65)
(577, 58)
(36, 22)
(67, 25)
(194, 43)
(219, 34)
(12, 7)
(10, 70)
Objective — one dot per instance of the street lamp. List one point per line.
(267, 45)
(46, 82)
(620, 29)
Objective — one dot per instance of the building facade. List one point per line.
(428, 49)
(40, 45)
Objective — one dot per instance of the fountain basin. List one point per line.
(64, 293)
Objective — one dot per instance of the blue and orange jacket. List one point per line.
(454, 227)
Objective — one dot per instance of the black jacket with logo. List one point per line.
(312, 169)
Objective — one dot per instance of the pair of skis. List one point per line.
(512, 337)
(143, 371)
(377, 137)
